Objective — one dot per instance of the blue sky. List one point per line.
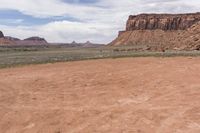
(80, 20)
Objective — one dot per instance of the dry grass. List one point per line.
(16, 56)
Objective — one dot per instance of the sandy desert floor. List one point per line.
(130, 95)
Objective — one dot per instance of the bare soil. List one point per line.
(130, 95)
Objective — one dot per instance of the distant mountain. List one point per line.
(12, 38)
(75, 44)
(35, 40)
(3, 40)
(89, 44)
(8, 40)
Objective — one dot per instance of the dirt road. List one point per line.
(130, 95)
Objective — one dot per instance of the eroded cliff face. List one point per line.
(161, 31)
(162, 21)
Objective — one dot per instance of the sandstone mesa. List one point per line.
(161, 32)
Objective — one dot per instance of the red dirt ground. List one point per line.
(130, 95)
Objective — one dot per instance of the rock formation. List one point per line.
(1, 34)
(8, 40)
(12, 38)
(161, 31)
(162, 21)
(4, 40)
(33, 41)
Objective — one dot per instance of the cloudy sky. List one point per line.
(80, 20)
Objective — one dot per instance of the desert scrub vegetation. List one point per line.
(17, 56)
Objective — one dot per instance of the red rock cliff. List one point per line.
(161, 31)
(162, 21)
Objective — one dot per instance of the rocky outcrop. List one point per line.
(161, 31)
(1, 34)
(162, 21)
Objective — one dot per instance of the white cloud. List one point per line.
(65, 31)
(99, 21)
(11, 21)
(48, 8)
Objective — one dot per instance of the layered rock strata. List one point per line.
(161, 31)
